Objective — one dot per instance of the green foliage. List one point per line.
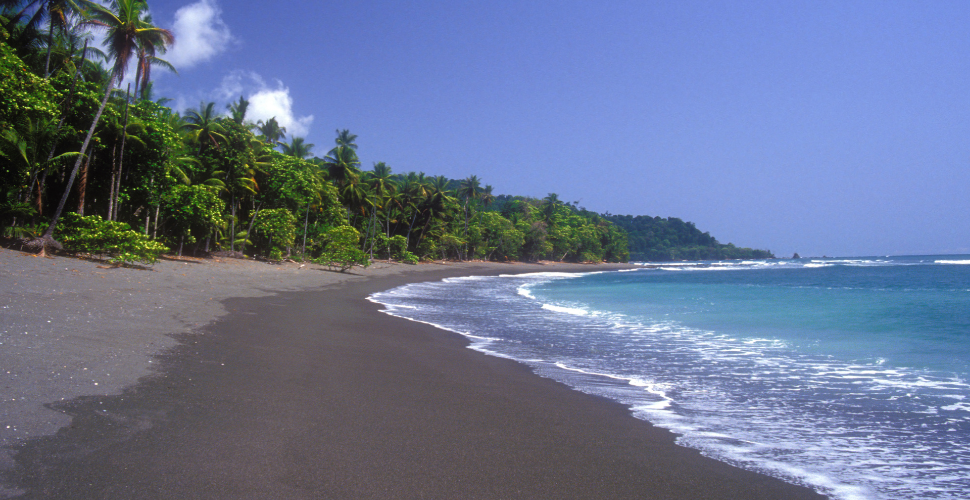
(187, 179)
(449, 245)
(427, 249)
(278, 226)
(290, 182)
(341, 249)
(658, 240)
(496, 237)
(398, 245)
(93, 235)
(191, 207)
(23, 95)
(399, 250)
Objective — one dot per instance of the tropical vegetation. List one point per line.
(86, 166)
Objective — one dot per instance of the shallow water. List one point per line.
(848, 375)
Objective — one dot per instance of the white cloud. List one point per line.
(265, 101)
(200, 34)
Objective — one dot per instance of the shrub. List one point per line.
(96, 236)
(279, 225)
(408, 258)
(341, 249)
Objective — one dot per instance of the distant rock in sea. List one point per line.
(796, 256)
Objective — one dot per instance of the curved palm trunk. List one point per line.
(48, 235)
(83, 187)
(407, 238)
(50, 42)
(68, 103)
(111, 191)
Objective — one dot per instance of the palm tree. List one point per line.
(342, 166)
(127, 28)
(382, 186)
(549, 205)
(436, 204)
(297, 148)
(380, 179)
(346, 139)
(487, 197)
(469, 189)
(414, 189)
(237, 110)
(143, 72)
(128, 129)
(242, 182)
(58, 13)
(439, 184)
(22, 33)
(271, 131)
(204, 126)
(24, 153)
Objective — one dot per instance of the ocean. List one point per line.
(851, 376)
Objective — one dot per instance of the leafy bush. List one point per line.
(192, 207)
(408, 258)
(341, 249)
(427, 248)
(399, 250)
(96, 236)
(279, 225)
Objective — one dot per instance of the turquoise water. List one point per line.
(848, 375)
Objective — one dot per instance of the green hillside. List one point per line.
(656, 239)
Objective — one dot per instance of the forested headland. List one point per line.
(89, 167)
(654, 239)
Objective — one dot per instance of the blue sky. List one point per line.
(837, 128)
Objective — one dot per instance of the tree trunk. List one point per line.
(155, 225)
(373, 232)
(67, 106)
(151, 184)
(249, 230)
(306, 223)
(121, 156)
(465, 246)
(83, 186)
(411, 225)
(232, 225)
(111, 191)
(50, 42)
(47, 239)
(181, 240)
(40, 192)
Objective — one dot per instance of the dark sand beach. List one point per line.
(301, 388)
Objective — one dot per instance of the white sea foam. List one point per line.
(568, 310)
(953, 262)
(747, 401)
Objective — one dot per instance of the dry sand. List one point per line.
(303, 391)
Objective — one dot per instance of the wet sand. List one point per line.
(308, 393)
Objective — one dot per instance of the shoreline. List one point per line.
(316, 393)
